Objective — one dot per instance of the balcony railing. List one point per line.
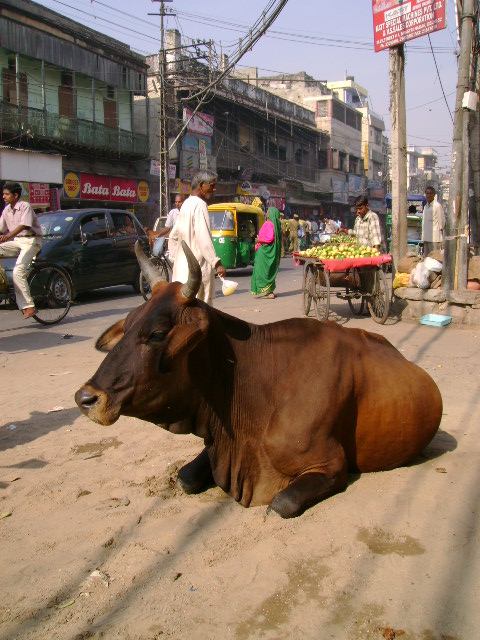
(37, 123)
(232, 159)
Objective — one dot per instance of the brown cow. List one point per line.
(285, 409)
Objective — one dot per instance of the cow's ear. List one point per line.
(111, 337)
(182, 339)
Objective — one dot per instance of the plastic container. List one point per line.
(434, 320)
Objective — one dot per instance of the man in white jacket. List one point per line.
(433, 223)
(193, 226)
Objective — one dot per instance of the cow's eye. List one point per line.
(157, 336)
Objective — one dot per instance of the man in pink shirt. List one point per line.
(20, 235)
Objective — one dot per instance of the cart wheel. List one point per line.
(357, 301)
(321, 298)
(308, 288)
(379, 302)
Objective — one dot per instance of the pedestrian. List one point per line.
(293, 226)
(367, 225)
(21, 238)
(267, 256)
(193, 226)
(172, 214)
(433, 223)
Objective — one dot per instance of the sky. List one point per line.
(325, 38)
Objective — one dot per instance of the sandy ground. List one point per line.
(97, 542)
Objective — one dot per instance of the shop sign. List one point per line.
(39, 193)
(202, 150)
(94, 187)
(396, 21)
(249, 189)
(180, 186)
(71, 185)
(88, 186)
(155, 167)
(199, 123)
(123, 190)
(143, 191)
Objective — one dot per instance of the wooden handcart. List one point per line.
(362, 281)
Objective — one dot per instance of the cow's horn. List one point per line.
(190, 289)
(150, 272)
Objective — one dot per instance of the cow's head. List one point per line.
(152, 355)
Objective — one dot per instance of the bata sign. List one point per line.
(396, 21)
(86, 186)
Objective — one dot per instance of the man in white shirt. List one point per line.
(433, 223)
(172, 214)
(193, 226)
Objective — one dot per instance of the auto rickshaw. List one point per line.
(234, 227)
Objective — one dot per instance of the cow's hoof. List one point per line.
(188, 486)
(284, 506)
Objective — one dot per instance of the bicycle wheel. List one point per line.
(162, 268)
(321, 297)
(308, 288)
(51, 292)
(379, 302)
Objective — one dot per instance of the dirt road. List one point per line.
(97, 542)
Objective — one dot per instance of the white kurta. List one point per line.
(433, 222)
(193, 226)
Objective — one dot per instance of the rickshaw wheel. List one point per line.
(321, 298)
(379, 302)
(308, 288)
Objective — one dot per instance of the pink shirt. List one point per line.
(21, 214)
(266, 235)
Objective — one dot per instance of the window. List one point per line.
(110, 114)
(9, 82)
(259, 143)
(66, 102)
(338, 111)
(322, 109)
(94, 227)
(221, 221)
(323, 159)
(122, 225)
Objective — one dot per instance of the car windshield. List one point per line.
(221, 221)
(55, 224)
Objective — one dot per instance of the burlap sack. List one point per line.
(436, 254)
(474, 268)
(408, 262)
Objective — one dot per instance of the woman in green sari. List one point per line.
(267, 256)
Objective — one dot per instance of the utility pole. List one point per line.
(399, 152)
(164, 196)
(454, 275)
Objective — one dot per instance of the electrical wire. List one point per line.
(439, 79)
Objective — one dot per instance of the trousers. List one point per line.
(26, 248)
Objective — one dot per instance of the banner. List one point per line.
(200, 123)
(88, 186)
(396, 21)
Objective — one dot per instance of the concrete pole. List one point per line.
(455, 218)
(399, 153)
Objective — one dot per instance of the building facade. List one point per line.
(69, 90)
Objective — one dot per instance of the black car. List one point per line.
(94, 247)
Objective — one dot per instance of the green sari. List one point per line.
(267, 257)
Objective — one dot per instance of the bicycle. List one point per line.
(50, 289)
(163, 265)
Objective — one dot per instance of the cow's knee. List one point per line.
(305, 491)
(196, 475)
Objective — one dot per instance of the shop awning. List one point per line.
(305, 203)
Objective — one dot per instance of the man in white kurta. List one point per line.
(433, 223)
(193, 226)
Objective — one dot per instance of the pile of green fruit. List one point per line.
(339, 251)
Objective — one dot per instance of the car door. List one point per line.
(124, 235)
(94, 265)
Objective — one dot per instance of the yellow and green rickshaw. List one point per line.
(234, 227)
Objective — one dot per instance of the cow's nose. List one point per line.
(85, 399)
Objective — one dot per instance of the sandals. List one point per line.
(29, 312)
(271, 296)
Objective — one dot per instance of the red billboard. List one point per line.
(396, 21)
(93, 187)
(123, 190)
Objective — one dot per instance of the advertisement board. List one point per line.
(199, 123)
(89, 186)
(396, 21)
